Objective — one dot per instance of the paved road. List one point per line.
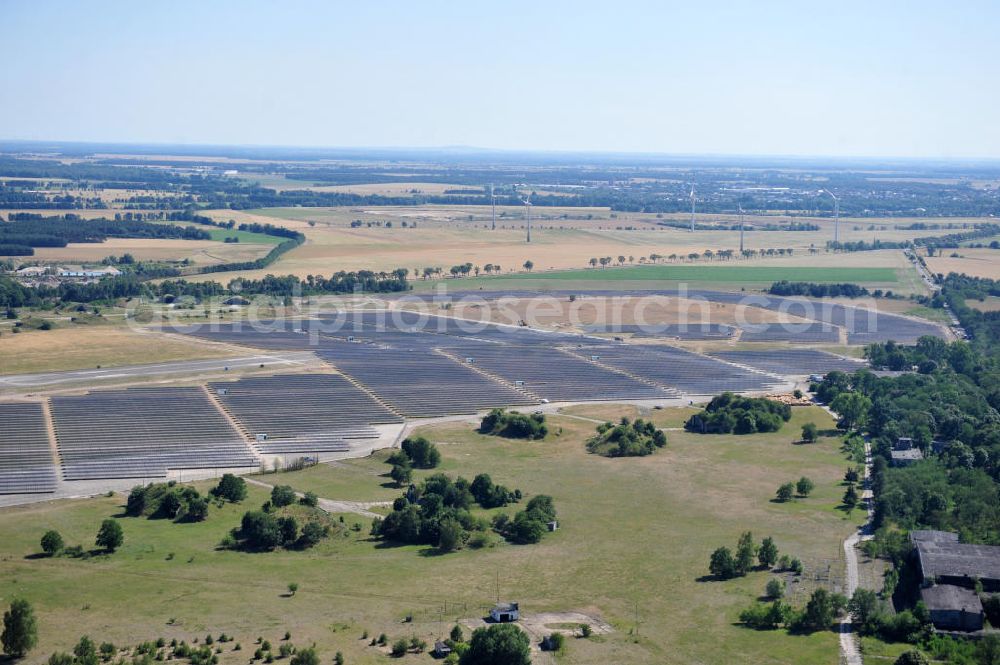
(143, 371)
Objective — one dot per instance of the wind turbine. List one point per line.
(493, 197)
(692, 207)
(836, 214)
(527, 212)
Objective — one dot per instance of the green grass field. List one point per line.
(220, 235)
(635, 536)
(644, 277)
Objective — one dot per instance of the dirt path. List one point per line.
(850, 653)
(336, 505)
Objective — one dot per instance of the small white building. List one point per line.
(505, 613)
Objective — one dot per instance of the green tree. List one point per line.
(457, 635)
(422, 453)
(785, 492)
(804, 486)
(399, 648)
(722, 564)
(775, 588)
(810, 432)
(450, 535)
(338, 659)
(20, 630)
(85, 651)
(767, 554)
(110, 535)
(746, 551)
(851, 496)
(282, 495)
(499, 644)
(231, 488)
(293, 587)
(852, 408)
(401, 474)
(821, 610)
(52, 542)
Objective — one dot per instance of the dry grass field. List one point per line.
(634, 543)
(974, 262)
(585, 310)
(200, 252)
(990, 304)
(82, 347)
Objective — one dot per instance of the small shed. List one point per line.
(505, 612)
(441, 649)
(553, 525)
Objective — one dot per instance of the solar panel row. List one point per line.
(791, 362)
(26, 464)
(293, 413)
(144, 432)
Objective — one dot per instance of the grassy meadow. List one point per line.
(634, 542)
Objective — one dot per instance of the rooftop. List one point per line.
(911, 454)
(949, 558)
(951, 597)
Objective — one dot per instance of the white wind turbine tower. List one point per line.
(493, 198)
(527, 213)
(836, 213)
(692, 208)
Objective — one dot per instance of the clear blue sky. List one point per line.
(879, 78)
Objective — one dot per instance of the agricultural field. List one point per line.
(698, 493)
(562, 238)
(977, 262)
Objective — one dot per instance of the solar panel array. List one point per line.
(143, 433)
(791, 362)
(558, 376)
(686, 331)
(26, 464)
(682, 370)
(419, 382)
(300, 413)
(796, 333)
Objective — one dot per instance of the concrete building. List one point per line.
(905, 457)
(944, 560)
(505, 612)
(953, 607)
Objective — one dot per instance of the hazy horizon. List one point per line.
(721, 79)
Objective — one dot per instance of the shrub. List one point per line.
(765, 616)
(399, 648)
(785, 492)
(627, 439)
(282, 495)
(52, 543)
(514, 425)
(810, 432)
(775, 588)
(110, 535)
(804, 486)
(499, 643)
(730, 413)
(231, 488)
(309, 499)
(422, 453)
